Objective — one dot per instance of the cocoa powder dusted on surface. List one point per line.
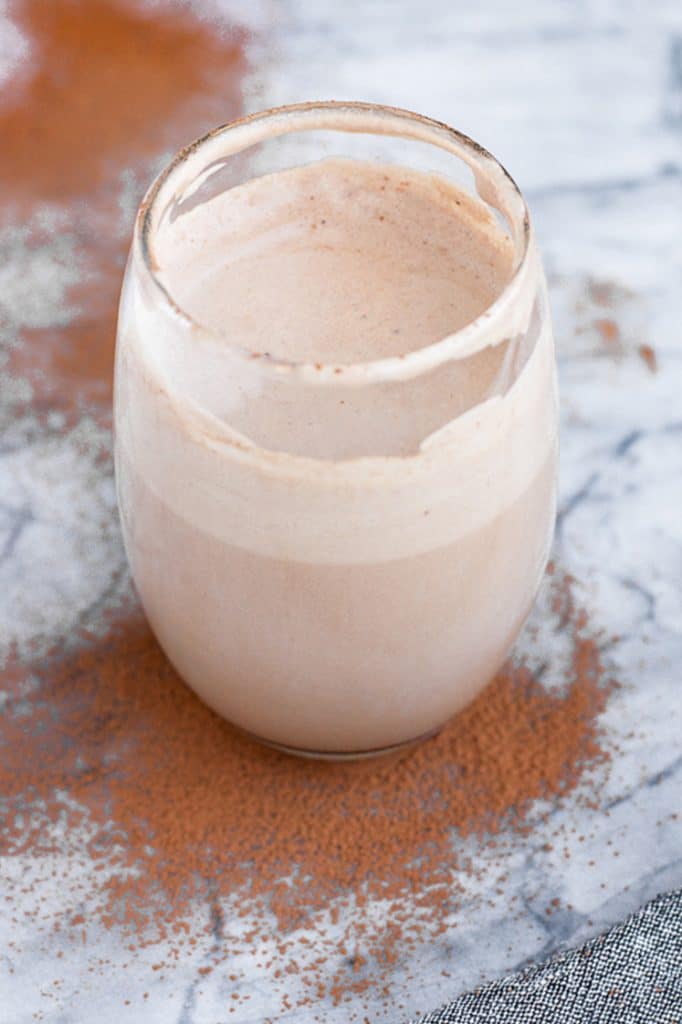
(109, 88)
(106, 84)
(648, 356)
(181, 811)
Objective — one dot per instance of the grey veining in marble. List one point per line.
(583, 103)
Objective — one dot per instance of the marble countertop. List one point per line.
(583, 104)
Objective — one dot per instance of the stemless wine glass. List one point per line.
(337, 558)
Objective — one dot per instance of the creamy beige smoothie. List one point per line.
(335, 567)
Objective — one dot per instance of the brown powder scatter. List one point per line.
(609, 331)
(603, 293)
(108, 87)
(105, 82)
(200, 812)
(648, 355)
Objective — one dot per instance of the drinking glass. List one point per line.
(335, 557)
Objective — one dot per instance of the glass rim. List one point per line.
(349, 116)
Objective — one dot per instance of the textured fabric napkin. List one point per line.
(630, 975)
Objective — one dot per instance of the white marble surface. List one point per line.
(583, 103)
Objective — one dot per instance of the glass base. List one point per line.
(344, 755)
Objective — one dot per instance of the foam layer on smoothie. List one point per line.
(359, 471)
(339, 261)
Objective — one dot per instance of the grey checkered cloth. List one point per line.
(630, 975)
